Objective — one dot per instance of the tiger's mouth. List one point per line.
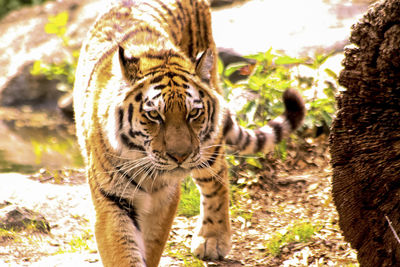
(170, 167)
(187, 166)
(178, 169)
(177, 172)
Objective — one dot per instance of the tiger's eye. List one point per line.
(153, 114)
(194, 113)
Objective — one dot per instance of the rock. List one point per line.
(24, 88)
(65, 104)
(23, 41)
(17, 218)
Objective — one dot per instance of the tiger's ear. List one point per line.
(129, 64)
(204, 65)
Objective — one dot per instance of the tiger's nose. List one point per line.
(178, 157)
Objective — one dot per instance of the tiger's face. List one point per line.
(169, 118)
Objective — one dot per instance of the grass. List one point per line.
(190, 199)
(79, 243)
(301, 232)
(19, 234)
(84, 241)
(182, 252)
(6, 235)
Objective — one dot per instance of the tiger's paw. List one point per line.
(211, 248)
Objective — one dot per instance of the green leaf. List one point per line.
(331, 73)
(282, 150)
(51, 28)
(230, 69)
(287, 60)
(265, 57)
(327, 117)
(57, 24)
(220, 66)
(254, 162)
(60, 19)
(232, 160)
(320, 59)
(36, 68)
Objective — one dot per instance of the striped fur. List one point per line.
(149, 112)
(247, 141)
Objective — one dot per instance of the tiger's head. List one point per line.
(169, 111)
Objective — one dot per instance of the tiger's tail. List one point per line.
(246, 141)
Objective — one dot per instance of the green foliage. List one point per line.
(7, 234)
(321, 104)
(301, 232)
(9, 5)
(20, 233)
(63, 71)
(272, 74)
(79, 243)
(84, 241)
(265, 86)
(57, 25)
(190, 199)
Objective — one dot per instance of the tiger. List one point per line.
(149, 112)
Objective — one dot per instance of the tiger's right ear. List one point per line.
(204, 65)
(129, 64)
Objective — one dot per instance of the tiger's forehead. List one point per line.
(171, 92)
(172, 86)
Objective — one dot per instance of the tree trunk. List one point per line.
(365, 138)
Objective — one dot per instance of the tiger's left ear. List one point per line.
(129, 64)
(204, 65)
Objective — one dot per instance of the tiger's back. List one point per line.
(148, 113)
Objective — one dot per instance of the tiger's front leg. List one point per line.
(212, 239)
(134, 234)
(118, 236)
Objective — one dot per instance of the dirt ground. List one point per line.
(259, 214)
(300, 198)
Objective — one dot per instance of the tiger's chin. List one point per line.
(175, 174)
(180, 171)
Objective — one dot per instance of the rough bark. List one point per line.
(365, 138)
